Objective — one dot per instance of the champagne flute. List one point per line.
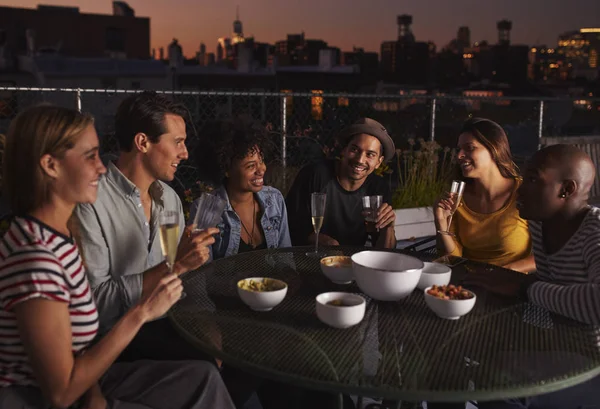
(456, 193)
(317, 207)
(169, 238)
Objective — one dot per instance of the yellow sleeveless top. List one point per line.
(497, 238)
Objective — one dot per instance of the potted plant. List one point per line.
(423, 175)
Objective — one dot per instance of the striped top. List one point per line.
(570, 278)
(38, 262)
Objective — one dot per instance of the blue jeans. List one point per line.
(583, 396)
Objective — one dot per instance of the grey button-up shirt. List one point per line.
(118, 243)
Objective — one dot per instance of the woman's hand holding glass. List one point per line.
(443, 210)
(168, 291)
(447, 205)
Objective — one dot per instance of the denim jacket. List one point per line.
(274, 222)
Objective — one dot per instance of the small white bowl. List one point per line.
(338, 269)
(262, 300)
(340, 316)
(449, 309)
(386, 276)
(434, 274)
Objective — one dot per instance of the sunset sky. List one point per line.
(344, 23)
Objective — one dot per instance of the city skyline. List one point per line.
(366, 25)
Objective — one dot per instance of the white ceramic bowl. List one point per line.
(386, 276)
(434, 274)
(449, 309)
(350, 313)
(262, 300)
(338, 269)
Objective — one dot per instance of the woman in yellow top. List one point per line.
(486, 225)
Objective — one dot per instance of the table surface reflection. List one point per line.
(401, 350)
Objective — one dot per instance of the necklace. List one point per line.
(251, 235)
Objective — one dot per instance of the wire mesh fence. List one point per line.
(303, 126)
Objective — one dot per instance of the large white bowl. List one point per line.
(449, 309)
(434, 274)
(351, 313)
(262, 300)
(338, 269)
(386, 276)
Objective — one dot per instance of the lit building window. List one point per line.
(593, 60)
(316, 105)
(343, 102)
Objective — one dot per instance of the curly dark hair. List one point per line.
(223, 141)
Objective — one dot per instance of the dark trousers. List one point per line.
(158, 340)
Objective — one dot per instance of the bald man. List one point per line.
(565, 232)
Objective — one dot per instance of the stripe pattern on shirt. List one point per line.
(37, 262)
(570, 278)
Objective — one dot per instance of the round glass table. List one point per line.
(401, 350)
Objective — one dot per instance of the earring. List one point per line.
(563, 195)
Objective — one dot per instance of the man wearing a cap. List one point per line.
(345, 181)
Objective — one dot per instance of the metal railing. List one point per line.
(303, 125)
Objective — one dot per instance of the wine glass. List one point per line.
(371, 205)
(317, 208)
(210, 210)
(456, 193)
(169, 238)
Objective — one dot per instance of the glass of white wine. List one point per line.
(456, 193)
(317, 207)
(169, 237)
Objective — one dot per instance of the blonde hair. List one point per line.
(35, 132)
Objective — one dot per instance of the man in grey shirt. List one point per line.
(119, 234)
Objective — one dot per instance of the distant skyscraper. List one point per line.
(237, 24)
(404, 32)
(120, 8)
(581, 50)
(175, 54)
(224, 49)
(405, 60)
(504, 27)
(120, 35)
(297, 50)
(201, 55)
(238, 32)
(463, 37)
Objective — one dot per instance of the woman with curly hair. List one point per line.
(231, 155)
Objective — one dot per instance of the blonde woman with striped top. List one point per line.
(49, 356)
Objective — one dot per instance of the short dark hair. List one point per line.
(144, 113)
(226, 140)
